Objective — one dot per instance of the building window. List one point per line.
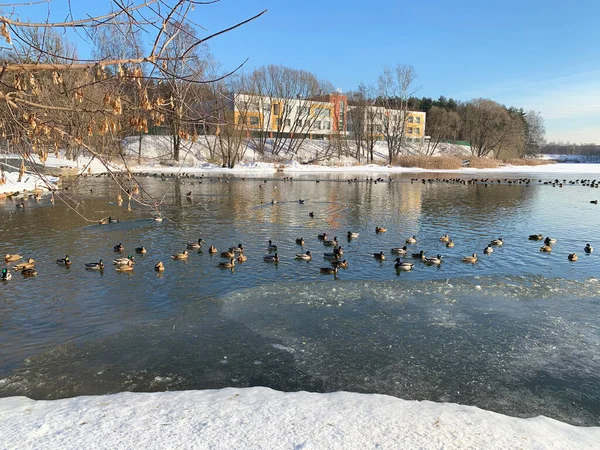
(322, 112)
(276, 109)
(410, 119)
(279, 123)
(288, 122)
(241, 120)
(299, 122)
(417, 131)
(318, 125)
(417, 119)
(410, 130)
(254, 121)
(303, 111)
(327, 125)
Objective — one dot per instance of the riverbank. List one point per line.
(263, 418)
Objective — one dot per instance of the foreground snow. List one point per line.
(262, 418)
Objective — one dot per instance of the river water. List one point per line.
(517, 332)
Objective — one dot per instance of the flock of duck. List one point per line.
(236, 255)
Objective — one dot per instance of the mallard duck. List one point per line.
(104, 221)
(6, 275)
(333, 255)
(497, 242)
(242, 258)
(379, 256)
(227, 264)
(141, 250)
(29, 272)
(119, 247)
(20, 205)
(379, 230)
(122, 261)
(545, 249)
(228, 254)
(338, 250)
(113, 220)
(157, 219)
(212, 249)
(420, 255)
(195, 245)
(271, 258)
(588, 248)
(95, 265)
(159, 267)
(470, 259)
(26, 265)
(572, 257)
(64, 261)
(535, 237)
(304, 256)
(322, 237)
(340, 264)
(180, 256)
(445, 238)
(352, 235)
(300, 241)
(549, 241)
(238, 249)
(271, 247)
(436, 260)
(400, 250)
(333, 243)
(488, 250)
(403, 265)
(450, 244)
(13, 257)
(411, 240)
(125, 267)
(329, 270)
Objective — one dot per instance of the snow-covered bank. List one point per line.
(262, 418)
(29, 183)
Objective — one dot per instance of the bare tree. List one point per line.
(488, 126)
(442, 125)
(535, 132)
(366, 129)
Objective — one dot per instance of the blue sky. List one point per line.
(535, 54)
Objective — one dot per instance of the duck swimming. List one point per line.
(159, 267)
(95, 266)
(195, 245)
(271, 247)
(300, 241)
(119, 247)
(227, 264)
(436, 260)
(212, 249)
(142, 250)
(329, 270)
(400, 250)
(420, 255)
(488, 250)
(352, 235)
(304, 256)
(535, 237)
(411, 240)
(545, 249)
(6, 275)
(123, 261)
(588, 248)
(180, 256)
(13, 257)
(64, 261)
(470, 259)
(271, 258)
(572, 257)
(29, 272)
(497, 242)
(445, 238)
(380, 230)
(450, 244)
(340, 264)
(403, 265)
(379, 256)
(26, 265)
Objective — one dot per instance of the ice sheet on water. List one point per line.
(521, 345)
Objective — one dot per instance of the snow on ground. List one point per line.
(29, 182)
(261, 418)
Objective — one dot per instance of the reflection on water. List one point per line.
(515, 333)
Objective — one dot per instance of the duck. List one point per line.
(436, 260)
(572, 257)
(379, 256)
(420, 255)
(338, 250)
(470, 259)
(157, 219)
(545, 249)
(95, 265)
(212, 249)
(334, 255)
(123, 261)
(180, 256)
(322, 236)
(125, 267)
(271, 258)
(13, 257)
(411, 240)
(29, 272)
(333, 243)
(301, 201)
(445, 238)
(227, 264)
(304, 256)
(300, 241)
(242, 258)
(159, 266)
(6, 275)
(400, 250)
(20, 205)
(549, 241)
(352, 235)
(228, 254)
(311, 214)
(195, 245)
(141, 250)
(403, 265)
(104, 221)
(450, 244)
(329, 270)
(119, 247)
(26, 265)
(271, 247)
(64, 261)
(488, 250)
(497, 242)
(535, 237)
(238, 249)
(340, 264)
(379, 230)
(588, 248)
